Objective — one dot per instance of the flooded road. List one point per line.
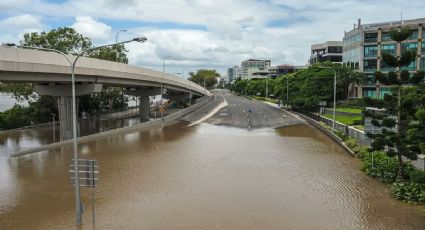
(204, 177)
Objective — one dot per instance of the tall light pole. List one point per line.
(334, 109)
(162, 87)
(267, 87)
(53, 127)
(163, 62)
(204, 84)
(287, 90)
(78, 205)
(116, 41)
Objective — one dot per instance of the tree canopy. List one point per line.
(402, 122)
(307, 87)
(210, 77)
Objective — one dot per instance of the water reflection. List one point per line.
(204, 177)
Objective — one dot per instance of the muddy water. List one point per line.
(204, 177)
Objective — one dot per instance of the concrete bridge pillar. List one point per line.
(144, 105)
(65, 117)
(64, 94)
(144, 108)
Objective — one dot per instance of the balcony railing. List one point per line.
(387, 68)
(369, 69)
(370, 40)
(371, 54)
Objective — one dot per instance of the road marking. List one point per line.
(210, 114)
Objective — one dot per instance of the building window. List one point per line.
(383, 92)
(351, 40)
(414, 35)
(370, 79)
(410, 67)
(369, 92)
(370, 65)
(370, 37)
(335, 49)
(370, 51)
(385, 67)
(423, 47)
(389, 48)
(386, 37)
(423, 63)
(413, 46)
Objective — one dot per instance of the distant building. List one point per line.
(255, 69)
(363, 46)
(276, 71)
(233, 73)
(328, 51)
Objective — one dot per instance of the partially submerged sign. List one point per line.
(88, 172)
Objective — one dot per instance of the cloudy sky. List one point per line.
(204, 33)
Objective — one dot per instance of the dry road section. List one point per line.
(244, 113)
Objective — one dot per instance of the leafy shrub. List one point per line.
(378, 165)
(409, 192)
(417, 176)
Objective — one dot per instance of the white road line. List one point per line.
(210, 114)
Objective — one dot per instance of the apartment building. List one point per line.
(255, 69)
(364, 44)
(233, 73)
(327, 51)
(279, 70)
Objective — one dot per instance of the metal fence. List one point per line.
(350, 131)
(346, 114)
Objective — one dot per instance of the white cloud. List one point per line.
(16, 26)
(234, 30)
(91, 28)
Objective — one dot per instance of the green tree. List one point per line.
(401, 108)
(349, 77)
(307, 87)
(209, 76)
(64, 39)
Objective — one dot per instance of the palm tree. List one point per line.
(349, 78)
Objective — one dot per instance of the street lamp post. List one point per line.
(78, 205)
(287, 91)
(334, 107)
(162, 87)
(116, 41)
(53, 127)
(163, 62)
(267, 87)
(204, 84)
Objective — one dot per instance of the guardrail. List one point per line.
(346, 114)
(350, 131)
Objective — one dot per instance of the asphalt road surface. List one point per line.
(242, 112)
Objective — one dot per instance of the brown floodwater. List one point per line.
(204, 177)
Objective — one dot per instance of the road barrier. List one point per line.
(347, 130)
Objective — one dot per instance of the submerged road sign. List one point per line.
(88, 175)
(88, 172)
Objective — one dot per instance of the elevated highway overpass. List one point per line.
(51, 75)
